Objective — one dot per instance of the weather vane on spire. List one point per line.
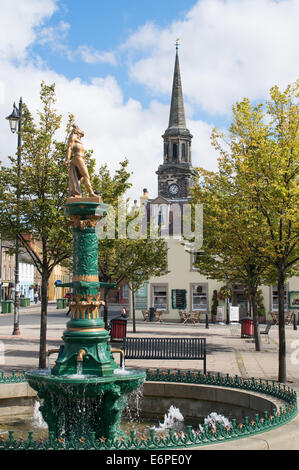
(177, 43)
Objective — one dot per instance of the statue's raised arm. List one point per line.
(78, 172)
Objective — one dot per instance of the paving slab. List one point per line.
(227, 353)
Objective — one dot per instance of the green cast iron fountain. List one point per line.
(85, 391)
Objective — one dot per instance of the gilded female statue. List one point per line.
(78, 172)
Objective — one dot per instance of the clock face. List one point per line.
(173, 189)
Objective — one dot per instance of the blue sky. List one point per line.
(106, 26)
(112, 63)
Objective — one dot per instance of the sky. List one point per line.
(112, 63)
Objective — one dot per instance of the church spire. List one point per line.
(177, 112)
(175, 175)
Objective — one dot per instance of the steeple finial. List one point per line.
(177, 44)
(177, 113)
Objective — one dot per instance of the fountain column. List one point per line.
(85, 339)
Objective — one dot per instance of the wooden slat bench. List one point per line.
(166, 348)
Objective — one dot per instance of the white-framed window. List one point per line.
(194, 255)
(160, 297)
(199, 297)
(274, 298)
(160, 215)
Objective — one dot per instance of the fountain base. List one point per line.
(84, 404)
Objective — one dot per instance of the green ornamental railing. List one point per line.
(171, 440)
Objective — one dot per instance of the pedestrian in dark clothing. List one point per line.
(124, 314)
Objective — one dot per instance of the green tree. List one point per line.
(232, 248)
(32, 199)
(112, 251)
(148, 258)
(214, 302)
(261, 151)
(124, 259)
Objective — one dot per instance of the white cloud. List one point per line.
(114, 129)
(55, 37)
(93, 56)
(53, 34)
(18, 23)
(230, 49)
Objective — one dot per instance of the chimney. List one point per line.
(144, 197)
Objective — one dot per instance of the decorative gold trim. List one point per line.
(85, 311)
(90, 221)
(86, 277)
(86, 330)
(84, 199)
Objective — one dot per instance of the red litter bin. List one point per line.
(247, 330)
(118, 329)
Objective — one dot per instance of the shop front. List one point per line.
(7, 290)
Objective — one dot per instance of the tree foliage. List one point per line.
(123, 259)
(251, 204)
(32, 196)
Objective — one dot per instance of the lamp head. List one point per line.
(14, 118)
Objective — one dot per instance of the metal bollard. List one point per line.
(295, 321)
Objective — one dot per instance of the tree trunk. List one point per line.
(106, 291)
(133, 311)
(257, 337)
(43, 320)
(281, 328)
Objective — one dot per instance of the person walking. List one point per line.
(124, 314)
(69, 308)
(35, 297)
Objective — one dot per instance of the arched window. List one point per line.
(166, 149)
(184, 152)
(174, 152)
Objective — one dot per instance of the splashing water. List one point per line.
(133, 407)
(79, 368)
(213, 419)
(173, 419)
(37, 416)
(122, 371)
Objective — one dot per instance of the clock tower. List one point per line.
(175, 175)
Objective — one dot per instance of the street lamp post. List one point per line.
(227, 302)
(15, 121)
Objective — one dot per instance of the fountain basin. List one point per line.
(275, 406)
(78, 405)
(90, 385)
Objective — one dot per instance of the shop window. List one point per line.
(141, 297)
(274, 298)
(160, 294)
(199, 296)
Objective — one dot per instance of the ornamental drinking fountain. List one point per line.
(84, 391)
